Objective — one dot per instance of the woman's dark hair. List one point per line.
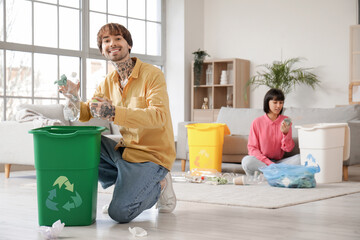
(114, 29)
(273, 94)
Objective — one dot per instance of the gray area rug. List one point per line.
(262, 195)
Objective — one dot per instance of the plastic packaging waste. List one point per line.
(292, 176)
(52, 232)
(178, 177)
(94, 113)
(208, 176)
(200, 175)
(72, 105)
(71, 111)
(257, 178)
(105, 209)
(138, 232)
(213, 177)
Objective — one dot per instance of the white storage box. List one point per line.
(326, 143)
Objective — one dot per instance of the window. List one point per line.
(42, 39)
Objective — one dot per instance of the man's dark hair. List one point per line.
(273, 94)
(114, 29)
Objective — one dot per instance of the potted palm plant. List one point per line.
(284, 75)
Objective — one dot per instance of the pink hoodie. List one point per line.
(266, 141)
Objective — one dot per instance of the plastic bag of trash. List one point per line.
(292, 176)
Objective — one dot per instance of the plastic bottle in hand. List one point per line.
(93, 112)
(249, 180)
(72, 105)
(71, 111)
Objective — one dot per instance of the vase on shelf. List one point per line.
(223, 78)
(209, 75)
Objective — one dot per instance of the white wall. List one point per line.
(175, 64)
(261, 31)
(184, 35)
(267, 30)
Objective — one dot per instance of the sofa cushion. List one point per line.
(114, 128)
(114, 137)
(238, 119)
(318, 115)
(235, 144)
(94, 122)
(301, 116)
(52, 111)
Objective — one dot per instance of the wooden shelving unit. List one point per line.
(238, 72)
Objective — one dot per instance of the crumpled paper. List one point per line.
(138, 232)
(52, 232)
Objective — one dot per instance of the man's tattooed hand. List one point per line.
(102, 109)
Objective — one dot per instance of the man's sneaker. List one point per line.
(167, 199)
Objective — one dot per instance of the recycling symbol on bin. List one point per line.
(203, 156)
(62, 185)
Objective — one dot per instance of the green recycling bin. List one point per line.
(66, 163)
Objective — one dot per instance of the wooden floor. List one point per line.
(336, 218)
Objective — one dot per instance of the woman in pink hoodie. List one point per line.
(270, 136)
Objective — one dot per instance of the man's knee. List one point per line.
(119, 214)
(122, 214)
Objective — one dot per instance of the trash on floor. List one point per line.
(138, 232)
(52, 232)
(208, 176)
(249, 180)
(105, 209)
(292, 176)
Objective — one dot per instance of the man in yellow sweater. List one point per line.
(135, 98)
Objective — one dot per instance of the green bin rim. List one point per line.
(67, 131)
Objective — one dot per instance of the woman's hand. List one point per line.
(284, 127)
(102, 108)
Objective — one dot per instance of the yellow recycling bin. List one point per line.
(205, 145)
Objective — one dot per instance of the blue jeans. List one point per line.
(250, 164)
(137, 185)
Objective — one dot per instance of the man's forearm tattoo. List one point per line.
(107, 111)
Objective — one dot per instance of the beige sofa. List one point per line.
(16, 144)
(239, 121)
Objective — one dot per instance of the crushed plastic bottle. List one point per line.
(198, 175)
(72, 105)
(249, 180)
(178, 177)
(209, 176)
(71, 111)
(93, 112)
